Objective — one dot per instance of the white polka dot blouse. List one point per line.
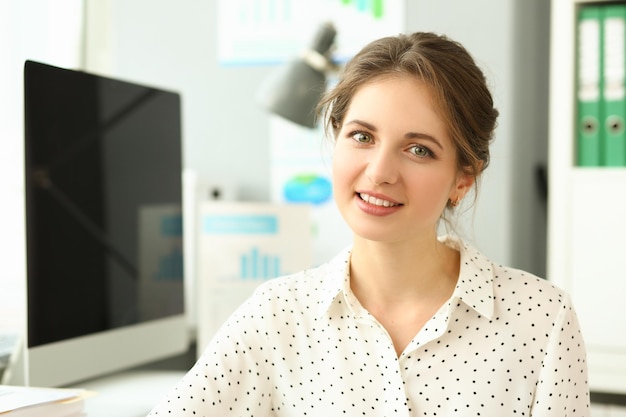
(505, 344)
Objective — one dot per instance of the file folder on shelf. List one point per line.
(589, 86)
(613, 132)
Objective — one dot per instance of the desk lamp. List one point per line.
(294, 90)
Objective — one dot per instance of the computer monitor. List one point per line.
(103, 186)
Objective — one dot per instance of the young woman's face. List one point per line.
(395, 166)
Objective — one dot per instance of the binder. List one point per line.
(613, 100)
(589, 86)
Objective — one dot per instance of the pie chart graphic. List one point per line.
(308, 188)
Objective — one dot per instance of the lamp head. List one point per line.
(294, 90)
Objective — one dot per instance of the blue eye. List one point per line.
(361, 137)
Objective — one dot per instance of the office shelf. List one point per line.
(586, 219)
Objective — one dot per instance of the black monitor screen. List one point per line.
(103, 169)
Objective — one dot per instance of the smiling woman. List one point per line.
(458, 90)
(402, 322)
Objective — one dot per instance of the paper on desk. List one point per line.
(15, 397)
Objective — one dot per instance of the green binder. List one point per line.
(589, 86)
(613, 132)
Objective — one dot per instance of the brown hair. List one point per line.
(457, 84)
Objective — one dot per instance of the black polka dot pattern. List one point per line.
(506, 344)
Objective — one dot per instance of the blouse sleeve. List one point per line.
(229, 378)
(563, 388)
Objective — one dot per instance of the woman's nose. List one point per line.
(382, 167)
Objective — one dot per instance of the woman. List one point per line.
(404, 322)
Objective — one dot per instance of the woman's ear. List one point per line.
(464, 182)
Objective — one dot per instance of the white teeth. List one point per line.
(376, 201)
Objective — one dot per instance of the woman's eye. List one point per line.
(361, 137)
(421, 151)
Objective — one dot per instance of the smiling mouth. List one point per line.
(377, 201)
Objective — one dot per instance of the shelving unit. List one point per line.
(586, 219)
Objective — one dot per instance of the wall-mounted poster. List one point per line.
(265, 32)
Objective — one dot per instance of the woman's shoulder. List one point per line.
(518, 281)
(508, 283)
(294, 282)
(312, 282)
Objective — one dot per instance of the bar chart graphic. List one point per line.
(267, 32)
(256, 265)
(251, 242)
(160, 250)
(170, 266)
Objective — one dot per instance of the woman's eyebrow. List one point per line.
(426, 136)
(366, 125)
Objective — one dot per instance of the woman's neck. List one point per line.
(387, 273)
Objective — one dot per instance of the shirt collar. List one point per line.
(474, 287)
(336, 277)
(475, 284)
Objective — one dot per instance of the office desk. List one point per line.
(130, 393)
